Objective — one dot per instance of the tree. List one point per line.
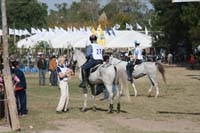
(103, 20)
(126, 11)
(24, 14)
(179, 23)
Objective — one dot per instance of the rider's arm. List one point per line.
(89, 52)
(135, 55)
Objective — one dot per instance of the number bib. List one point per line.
(97, 52)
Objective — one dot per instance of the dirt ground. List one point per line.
(176, 111)
(135, 124)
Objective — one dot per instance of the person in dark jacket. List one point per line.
(20, 90)
(41, 64)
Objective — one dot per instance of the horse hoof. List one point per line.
(94, 108)
(110, 112)
(110, 109)
(118, 108)
(83, 110)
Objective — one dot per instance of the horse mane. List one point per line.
(80, 56)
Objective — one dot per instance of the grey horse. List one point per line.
(106, 74)
(146, 68)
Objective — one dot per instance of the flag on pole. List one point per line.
(146, 31)
(25, 32)
(100, 36)
(150, 23)
(11, 32)
(113, 32)
(138, 26)
(33, 31)
(107, 31)
(116, 26)
(94, 31)
(173, 1)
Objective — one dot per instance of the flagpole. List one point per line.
(14, 33)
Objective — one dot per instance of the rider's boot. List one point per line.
(129, 70)
(83, 84)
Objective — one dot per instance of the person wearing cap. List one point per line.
(41, 64)
(137, 58)
(94, 55)
(63, 75)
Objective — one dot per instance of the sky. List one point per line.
(51, 3)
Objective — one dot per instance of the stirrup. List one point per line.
(82, 85)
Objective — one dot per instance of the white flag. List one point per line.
(116, 27)
(173, 1)
(138, 26)
(38, 31)
(128, 26)
(1, 32)
(11, 32)
(146, 31)
(33, 31)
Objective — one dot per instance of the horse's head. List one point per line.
(78, 56)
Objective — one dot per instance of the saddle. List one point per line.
(93, 69)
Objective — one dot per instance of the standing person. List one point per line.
(136, 59)
(52, 68)
(20, 89)
(41, 64)
(169, 58)
(63, 72)
(192, 61)
(94, 56)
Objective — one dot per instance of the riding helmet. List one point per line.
(93, 38)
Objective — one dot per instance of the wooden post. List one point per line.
(7, 74)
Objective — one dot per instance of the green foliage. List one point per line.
(87, 12)
(179, 23)
(23, 14)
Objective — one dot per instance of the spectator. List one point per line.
(192, 61)
(20, 89)
(169, 58)
(41, 64)
(52, 68)
(63, 72)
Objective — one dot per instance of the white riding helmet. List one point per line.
(137, 42)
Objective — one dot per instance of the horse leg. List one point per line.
(150, 91)
(85, 100)
(119, 93)
(154, 83)
(93, 97)
(134, 88)
(157, 90)
(109, 89)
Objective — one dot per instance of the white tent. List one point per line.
(80, 39)
(125, 39)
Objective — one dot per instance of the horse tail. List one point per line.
(116, 79)
(161, 70)
(121, 79)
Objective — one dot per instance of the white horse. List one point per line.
(146, 68)
(106, 74)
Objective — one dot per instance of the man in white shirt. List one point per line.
(136, 59)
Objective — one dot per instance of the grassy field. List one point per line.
(176, 110)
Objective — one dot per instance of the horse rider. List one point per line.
(137, 58)
(94, 56)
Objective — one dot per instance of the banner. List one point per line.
(173, 1)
